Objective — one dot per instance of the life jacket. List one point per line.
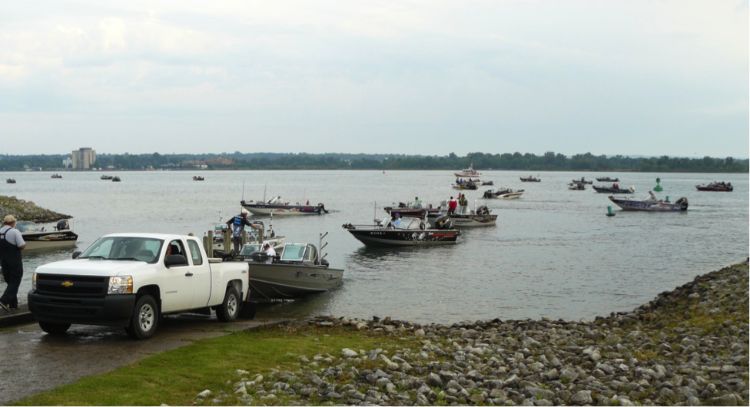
(10, 254)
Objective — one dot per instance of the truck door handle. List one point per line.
(188, 274)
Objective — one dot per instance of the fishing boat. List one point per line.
(405, 232)
(716, 187)
(530, 179)
(198, 178)
(583, 180)
(277, 207)
(410, 210)
(614, 189)
(106, 177)
(468, 172)
(298, 270)
(462, 184)
(116, 179)
(40, 236)
(651, 204)
(56, 176)
(607, 179)
(487, 183)
(576, 186)
(10, 181)
(506, 193)
(478, 218)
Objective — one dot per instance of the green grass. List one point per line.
(176, 377)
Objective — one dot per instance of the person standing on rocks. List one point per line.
(11, 244)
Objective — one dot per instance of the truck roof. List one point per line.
(163, 236)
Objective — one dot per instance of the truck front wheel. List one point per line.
(54, 328)
(230, 308)
(145, 318)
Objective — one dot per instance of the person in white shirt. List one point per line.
(270, 252)
(11, 244)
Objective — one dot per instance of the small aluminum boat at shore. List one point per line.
(299, 270)
(277, 207)
(405, 232)
(38, 238)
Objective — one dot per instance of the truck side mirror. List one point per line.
(175, 260)
(76, 254)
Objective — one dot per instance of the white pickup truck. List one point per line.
(131, 280)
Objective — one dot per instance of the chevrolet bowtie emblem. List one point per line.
(67, 284)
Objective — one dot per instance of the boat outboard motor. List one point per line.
(63, 225)
(488, 194)
(443, 222)
(683, 202)
(483, 210)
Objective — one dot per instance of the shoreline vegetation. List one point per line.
(549, 161)
(688, 346)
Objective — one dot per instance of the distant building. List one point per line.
(67, 163)
(83, 158)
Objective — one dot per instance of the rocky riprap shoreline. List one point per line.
(688, 346)
(28, 211)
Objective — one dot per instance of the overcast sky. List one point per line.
(424, 77)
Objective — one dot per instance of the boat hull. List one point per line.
(680, 205)
(469, 221)
(713, 189)
(603, 190)
(49, 240)
(278, 281)
(284, 210)
(395, 237)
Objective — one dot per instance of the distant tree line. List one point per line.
(549, 161)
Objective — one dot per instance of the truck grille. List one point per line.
(71, 286)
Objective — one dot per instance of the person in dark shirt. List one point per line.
(237, 225)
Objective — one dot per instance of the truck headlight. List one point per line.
(120, 285)
(33, 282)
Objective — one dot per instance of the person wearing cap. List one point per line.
(238, 224)
(11, 244)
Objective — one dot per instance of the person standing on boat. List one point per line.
(11, 244)
(463, 203)
(452, 205)
(417, 203)
(238, 224)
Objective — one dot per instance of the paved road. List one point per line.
(32, 361)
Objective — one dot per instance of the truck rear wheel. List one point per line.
(145, 318)
(230, 308)
(54, 328)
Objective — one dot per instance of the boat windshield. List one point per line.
(250, 248)
(293, 252)
(124, 248)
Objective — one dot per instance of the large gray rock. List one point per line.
(582, 397)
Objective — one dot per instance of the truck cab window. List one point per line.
(195, 253)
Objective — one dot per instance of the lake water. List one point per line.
(554, 253)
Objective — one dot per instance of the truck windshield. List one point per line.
(124, 248)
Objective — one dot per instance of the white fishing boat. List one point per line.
(505, 193)
(468, 172)
(277, 207)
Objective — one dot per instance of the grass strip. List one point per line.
(175, 377)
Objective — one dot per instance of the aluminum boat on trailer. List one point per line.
(299, 270)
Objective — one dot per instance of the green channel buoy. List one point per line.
(658, 187)
(610, 212)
